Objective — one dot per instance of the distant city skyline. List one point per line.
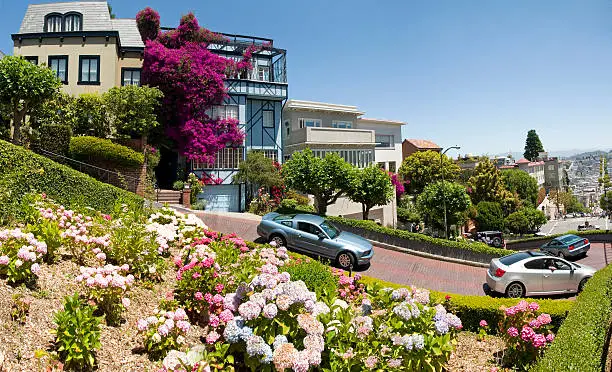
(476, 74)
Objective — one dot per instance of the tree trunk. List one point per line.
(365, 212)
(320, 205)
(17, 120)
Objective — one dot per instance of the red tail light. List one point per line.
(499, 273)
(571, 247)
(586, 241)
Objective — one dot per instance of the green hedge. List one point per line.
(55, 138)
(91, 149)
(579, 345)
(22, 171)
(472, 309)
(317, 276)
(472, 246)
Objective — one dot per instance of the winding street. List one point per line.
(392, 266)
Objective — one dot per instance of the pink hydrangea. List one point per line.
(513, 332)
(535, 324)
(226, 316)
(198, 296)
(212, 337)
(550, 337)
(539, 340)
(544, 319)
(483, 323)
(534, 306)
(4, 260)
(527, 333)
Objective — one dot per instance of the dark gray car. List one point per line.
(314, 234)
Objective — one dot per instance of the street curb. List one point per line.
(428, 255)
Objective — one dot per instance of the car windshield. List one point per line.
(569, 238)
(329, 229)
(514, 258)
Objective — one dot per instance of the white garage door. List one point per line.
(221, 198)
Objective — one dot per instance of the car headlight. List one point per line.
(366, 253)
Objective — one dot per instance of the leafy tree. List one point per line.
(372, 187)
(533, 146)
(23, 87)
(425, 167)
(132, 109)
(326, 179)
(525, 220)
(605, 202)
(486, 184)
(91, 118)
(59, 110)
(490, 216)
(433, 197)
(257, 170)
(523, 184)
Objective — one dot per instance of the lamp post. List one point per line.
(444, 189)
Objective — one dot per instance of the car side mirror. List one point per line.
(552, 268)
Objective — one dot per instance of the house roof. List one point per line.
(522, 161)
(96, 17)
(294, 104)
(381, 121)
(423, 144)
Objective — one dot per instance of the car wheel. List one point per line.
(497, 243)
(345, 260)
(583, 282)
(279, 240)
(515, 290)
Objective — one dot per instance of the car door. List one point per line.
(554, 246)
(532, 275)
(308, 237)
(557, 277)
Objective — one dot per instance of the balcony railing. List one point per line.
(331, 136)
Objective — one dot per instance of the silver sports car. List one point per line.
(536, 273)
(314, 234)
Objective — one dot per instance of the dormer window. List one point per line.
(72, 22)
(53, 23)
(69, 22)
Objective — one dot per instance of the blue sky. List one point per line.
(478, 74)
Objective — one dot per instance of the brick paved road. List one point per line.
(397, 267)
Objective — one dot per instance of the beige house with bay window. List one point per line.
(87, 49)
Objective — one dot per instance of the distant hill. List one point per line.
(566, 154)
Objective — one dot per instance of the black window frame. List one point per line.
(54, 14)
(31, 59)
(71, 14)
(64, 57)
(311, 226)
(131, 69)
(89, 57)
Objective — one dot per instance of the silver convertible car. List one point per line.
(536, 273)
(314, 234)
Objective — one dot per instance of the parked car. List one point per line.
(492, 238)
(314, 234)
(567, 246)
(536, 273)
(587, 226)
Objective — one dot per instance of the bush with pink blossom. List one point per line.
(349, 288)
(107, 288)
(525, 333)
(20, 256)
(163, 331)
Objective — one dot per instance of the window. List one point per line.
(551, 167)
(32, 59)
(535, 264)
(288, 128)
(72, 22)
(53, 22)
(384, 140)
(309, 228)
(227, 158)
(287, 223)
(130, 76)
(59, 65)
(342, 124)
(263, 73)
(392, 167)
(381, 165)
(331, 230)
(270, 154)
(268, 118)
(310, 123)
(225, 112)
(560, 265)
(89, 70)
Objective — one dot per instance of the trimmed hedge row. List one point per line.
(480, 251)
(91, 149)
(55, 138)
(22, 171)
(580, 343)
(472, 309)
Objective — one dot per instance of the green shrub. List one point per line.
(471, 246)
(408, 215)
(55, 138)
(178, 185)
(77, 335)
(490, 216)
(92, 149)
(580, 342)
(199, 205)
(22, 172)
(294, 206)
(317, 276)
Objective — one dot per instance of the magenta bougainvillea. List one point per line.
(192, 79)
(397, 182)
